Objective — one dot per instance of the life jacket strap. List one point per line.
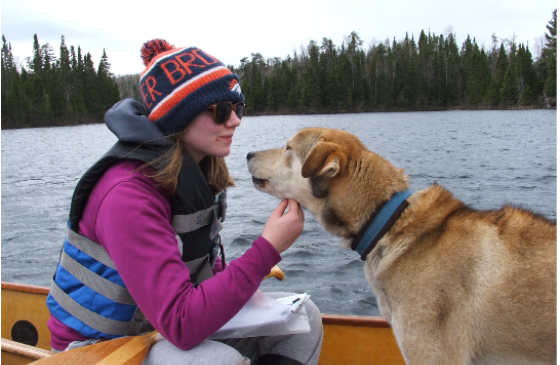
(200, 270)
(139, 324)
(184, 223)
(102, 324)
(90, 248)
(191, 222)
(96, 282)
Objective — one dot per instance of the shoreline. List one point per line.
(86, 121)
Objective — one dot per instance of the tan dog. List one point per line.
(458, 286)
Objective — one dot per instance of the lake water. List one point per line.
(486, 158)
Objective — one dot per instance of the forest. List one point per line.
(430, 73)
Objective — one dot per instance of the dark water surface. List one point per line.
(486, 158)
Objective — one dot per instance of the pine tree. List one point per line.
(8, 74)
(57, 96)
(475, 72)
(36, 64)
(311, 93)
(256, 95)
(355, 98)
(493, 96)
(66, 78)
(527, 76)
(427, 63)
(452, 71)
(16, 104)
(550, 54)
(510, 90)
(381, 92)
(77, 100)
(106, 86)
(90, 88)
(49, 64)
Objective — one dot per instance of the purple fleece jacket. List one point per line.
(129, 215)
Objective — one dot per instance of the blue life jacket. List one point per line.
(87, 292)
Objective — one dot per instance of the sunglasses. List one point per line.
(222, 111)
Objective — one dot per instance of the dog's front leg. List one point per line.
(421, 344)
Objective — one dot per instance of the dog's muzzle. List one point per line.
(258, 182)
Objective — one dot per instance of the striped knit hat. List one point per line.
(179, 83)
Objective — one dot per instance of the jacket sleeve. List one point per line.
(133, 224)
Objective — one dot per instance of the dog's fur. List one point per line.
(458, 286)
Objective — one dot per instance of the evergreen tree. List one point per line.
(549, 55)
(77, 100)
(427, 63)
(409, 73)
(15, 104)
(355, 97)
(527, 76)
(311, 93)
(8, 74)
(57, 96)
(49, 64)
(330, 87)
(475, 74)
(106, 86)
(36, 64)
(66, 78)
(478, 76)
(452, 72)
(89, 87)
(256, 95)
(510, 90)
(285, 77)
(493, 97)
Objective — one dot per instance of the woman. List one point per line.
(142, 247)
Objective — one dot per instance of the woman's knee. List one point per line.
(207, 352)
(314, 314)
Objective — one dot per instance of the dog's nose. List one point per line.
(250, 155)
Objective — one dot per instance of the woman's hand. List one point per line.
(282, 230)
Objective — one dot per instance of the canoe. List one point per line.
(347, 339)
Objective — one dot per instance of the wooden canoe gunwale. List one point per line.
(355, 321)
(25, 288)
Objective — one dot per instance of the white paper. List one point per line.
(264, 316)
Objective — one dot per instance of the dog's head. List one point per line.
(331, 173)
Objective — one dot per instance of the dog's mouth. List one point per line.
(259, 182)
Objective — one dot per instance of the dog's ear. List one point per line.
(325, 158)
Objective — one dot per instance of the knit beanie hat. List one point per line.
(179, 83)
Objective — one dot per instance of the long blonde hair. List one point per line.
(214, 169)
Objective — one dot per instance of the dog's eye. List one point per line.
(288, 147)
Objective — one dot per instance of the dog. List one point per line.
(457, 285)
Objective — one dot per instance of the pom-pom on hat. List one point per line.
(179, 83)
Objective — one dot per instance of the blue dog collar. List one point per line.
(382, 222)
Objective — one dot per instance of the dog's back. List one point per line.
(480, 284)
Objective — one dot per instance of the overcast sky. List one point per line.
(231, 30)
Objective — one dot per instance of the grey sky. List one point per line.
(233, 30)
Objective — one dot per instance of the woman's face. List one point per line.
(204, 137)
